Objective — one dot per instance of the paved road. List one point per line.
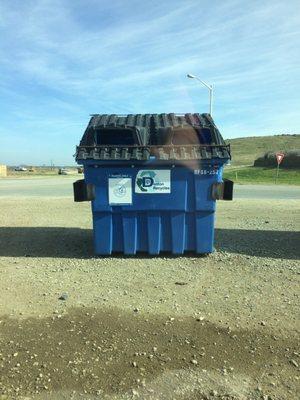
(275, 192)
(62, 187)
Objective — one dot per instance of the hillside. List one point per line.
(245, 150)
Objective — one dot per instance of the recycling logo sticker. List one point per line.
(154, 181)
(119, 191)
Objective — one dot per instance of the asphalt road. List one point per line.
(61, 186)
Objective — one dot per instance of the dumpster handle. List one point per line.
(222, 190)
(83, 191)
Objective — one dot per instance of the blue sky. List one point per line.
(61, 60)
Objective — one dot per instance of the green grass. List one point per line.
(262, 175)
(245, 150)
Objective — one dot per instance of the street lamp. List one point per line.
(209, 87)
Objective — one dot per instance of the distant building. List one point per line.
(3, 170)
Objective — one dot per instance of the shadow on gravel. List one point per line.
(78, 243)
(116, 351)
(259, 243)
(46, 242)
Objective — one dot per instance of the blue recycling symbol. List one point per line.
(148, 174)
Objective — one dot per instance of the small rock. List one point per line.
(136, 309)
(263, 323)
(195, 362)
(295, 364)
(63, 296)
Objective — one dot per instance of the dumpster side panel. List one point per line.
(174, 232)
(204, 232)
(182, 220)
(190, 190)
(103, 232)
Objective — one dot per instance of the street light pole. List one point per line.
(209, 87)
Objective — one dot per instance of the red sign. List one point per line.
(279, 157)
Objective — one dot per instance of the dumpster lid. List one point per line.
(165, 136)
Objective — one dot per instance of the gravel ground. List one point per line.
(73, 326)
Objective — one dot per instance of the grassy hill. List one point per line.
(245, 150)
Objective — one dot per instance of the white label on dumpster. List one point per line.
(153, 181)
(119, 191)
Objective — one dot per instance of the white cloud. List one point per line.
(65, 58)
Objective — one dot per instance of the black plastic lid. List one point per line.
(138, 136)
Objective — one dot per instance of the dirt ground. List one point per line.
(75, 326)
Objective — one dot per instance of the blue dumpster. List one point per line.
(153, 180)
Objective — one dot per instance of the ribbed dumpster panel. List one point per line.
(153, 232)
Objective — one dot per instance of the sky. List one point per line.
(62, 60)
